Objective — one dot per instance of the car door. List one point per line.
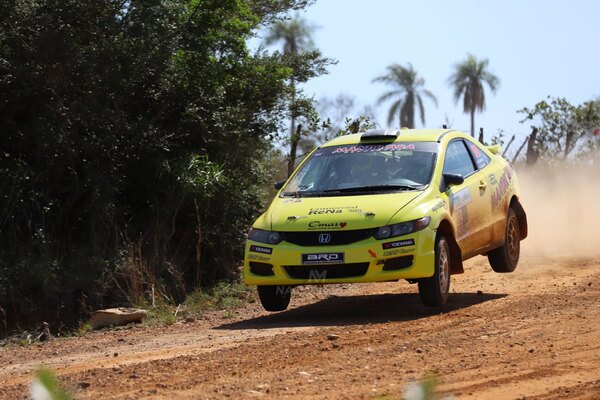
(469, 202)
(489, 175)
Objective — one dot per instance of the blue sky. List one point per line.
(537, 48)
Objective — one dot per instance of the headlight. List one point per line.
(402, 229)
(268, 237)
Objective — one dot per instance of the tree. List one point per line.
(467, 81)
(562, 127)
(296, 35)
(136, 136)
(335, 114)
(408, 91)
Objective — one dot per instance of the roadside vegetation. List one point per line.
(137, 140)
(141, 138)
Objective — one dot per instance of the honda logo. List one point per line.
(324, 238)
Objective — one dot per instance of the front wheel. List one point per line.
(274, 297)
(506, 257)
(434, 291)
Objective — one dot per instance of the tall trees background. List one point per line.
(407, 94)
(135, 136)
(296, 35)
(467, 82)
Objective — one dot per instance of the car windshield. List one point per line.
(364, 169)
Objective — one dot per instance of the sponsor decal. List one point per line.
(374, 148)
(258, 257)
(293, 200)
(318, 211)
(460, 199)
(438, 205)
(396, 252)
(372, 253)
(502, 187)
(315, 225)
(492, 179)
(334, 210)
(322, 258)
(261, 249)
(398, 243)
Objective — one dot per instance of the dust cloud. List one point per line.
(562, 203)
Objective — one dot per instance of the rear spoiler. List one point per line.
(495, 149)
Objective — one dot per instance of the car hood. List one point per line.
(336, 213)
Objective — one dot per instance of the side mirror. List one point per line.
(451, 180)
(279, 184)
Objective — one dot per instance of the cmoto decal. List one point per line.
(315, 225)
(397, 251)
(258, 257)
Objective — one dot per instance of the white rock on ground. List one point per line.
(117, 316)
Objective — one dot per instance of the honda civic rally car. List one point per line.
(387, 205)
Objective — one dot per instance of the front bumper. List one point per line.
(363, 261)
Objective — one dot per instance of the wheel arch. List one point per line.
(515, 204)
(456, 266)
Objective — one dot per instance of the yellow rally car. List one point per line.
(387, 205)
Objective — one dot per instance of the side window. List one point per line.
(458, 160)
(481, 159)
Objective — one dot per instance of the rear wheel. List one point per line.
(274, 298)
(434, 291)
(506, 258)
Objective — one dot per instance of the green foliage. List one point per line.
(136, 138)
(563, 129)
(46, 386)
(497, 139)
(304, 63)
(356, 125)
(222, 296)
(160, 315)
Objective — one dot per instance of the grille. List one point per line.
(393, 264)
(262, 269)
(337, 237)
(334, 271)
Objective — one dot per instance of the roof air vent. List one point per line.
(380, 134)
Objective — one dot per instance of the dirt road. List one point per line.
(531, 334)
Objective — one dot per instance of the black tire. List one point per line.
(505, 258)
(434, 291)
(274, 298)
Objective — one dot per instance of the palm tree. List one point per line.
(408, 91)
(467, 81)
(296, 36)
